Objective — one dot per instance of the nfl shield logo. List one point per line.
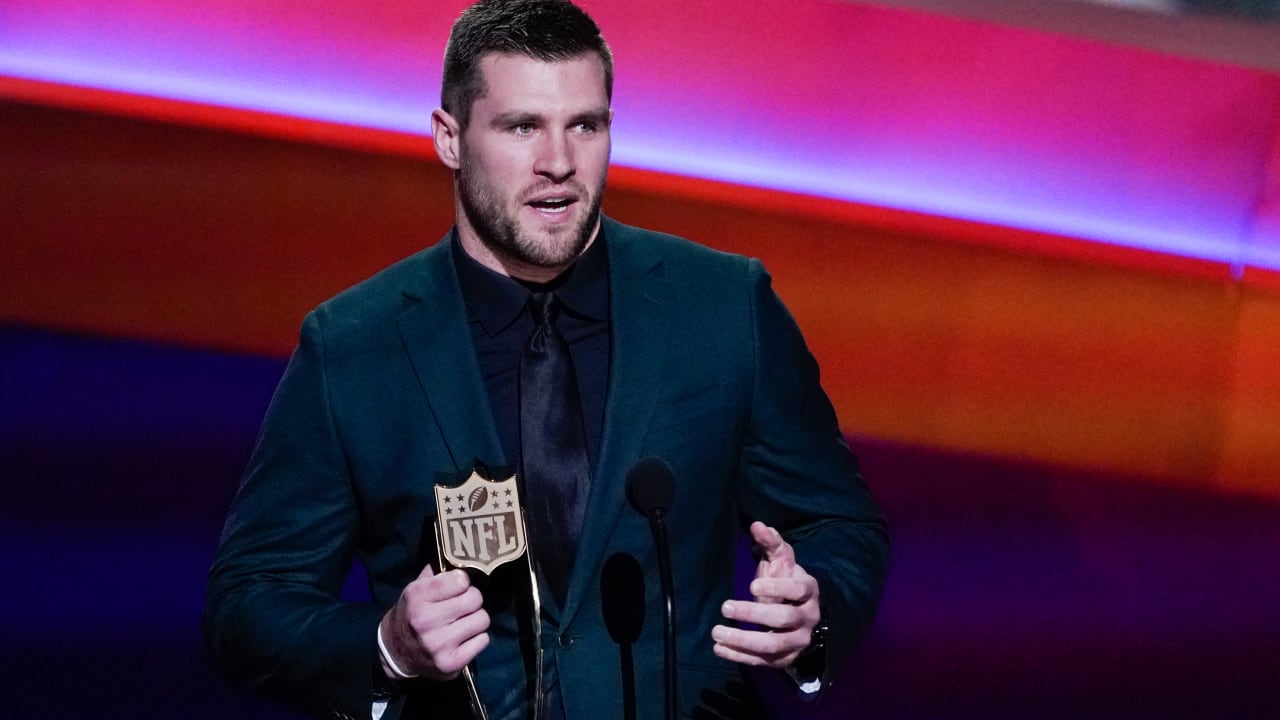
(480, 523)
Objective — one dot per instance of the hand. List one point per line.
(437, 627)
(785, 607)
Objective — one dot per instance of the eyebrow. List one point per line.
(514, 118)
(600, 116)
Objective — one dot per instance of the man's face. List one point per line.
(531, 163)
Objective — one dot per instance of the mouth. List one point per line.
(552, 205)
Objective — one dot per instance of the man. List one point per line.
(421, 374)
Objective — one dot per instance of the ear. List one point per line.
(446, 133)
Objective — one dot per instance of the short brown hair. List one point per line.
(549, 30)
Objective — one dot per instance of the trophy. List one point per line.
(480, 525)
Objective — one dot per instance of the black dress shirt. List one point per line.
(497, 309)
(498, 312)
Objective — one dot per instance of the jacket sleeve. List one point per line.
(798, 475)
(273, 619)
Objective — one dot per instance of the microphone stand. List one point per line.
(659, 529)
(651, 488)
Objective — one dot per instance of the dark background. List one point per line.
(1016, 590)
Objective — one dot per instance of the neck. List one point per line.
(503, 264)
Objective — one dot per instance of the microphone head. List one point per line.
(622, 598)
(651, 486)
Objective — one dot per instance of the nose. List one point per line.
(554, 159)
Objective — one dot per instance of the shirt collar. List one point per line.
(497, 300)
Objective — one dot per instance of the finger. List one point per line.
(435, 588)
(775, 616)
(455, 630)
(755, 647)
(795, 590)
(736, 655)
(425, 616)
(462, 656)
(765, 536)
(777, 556)
(444, 641)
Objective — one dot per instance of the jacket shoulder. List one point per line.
(384, 296)
(678, 258)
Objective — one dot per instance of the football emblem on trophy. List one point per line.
(477, 498)
(474, 529)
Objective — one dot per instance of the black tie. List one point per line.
(552, 444)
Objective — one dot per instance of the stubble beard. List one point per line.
(500, 231)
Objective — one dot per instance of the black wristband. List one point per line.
(811, 663)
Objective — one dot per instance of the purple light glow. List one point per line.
(917, 112)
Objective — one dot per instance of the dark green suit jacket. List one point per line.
(383, 396)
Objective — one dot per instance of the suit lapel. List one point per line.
(640, 302)
(437, 339)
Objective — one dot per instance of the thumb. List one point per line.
(776, 552)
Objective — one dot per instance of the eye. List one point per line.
(585, 127)
(522, 128)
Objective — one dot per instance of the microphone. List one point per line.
(651, 485)
(651, 489)
(622, 602)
